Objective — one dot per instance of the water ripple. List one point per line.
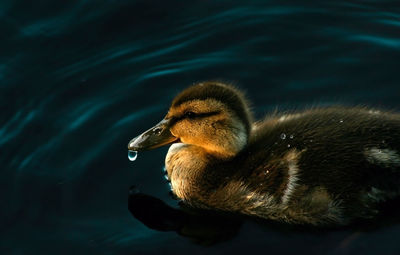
(15, 126)
(96, 60)
(253, 12)
(136, 115)
(84, 114)
(379, 40)
(395, 23)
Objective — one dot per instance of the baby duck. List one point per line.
(321, 167)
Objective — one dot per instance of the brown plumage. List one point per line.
(323, 166)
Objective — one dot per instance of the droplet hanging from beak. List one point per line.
(132, 155)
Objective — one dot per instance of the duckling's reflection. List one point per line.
(209, 227)
(202, 226)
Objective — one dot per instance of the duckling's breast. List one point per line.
(185, 165)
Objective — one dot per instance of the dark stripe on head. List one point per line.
(223, 93)
(195, 116)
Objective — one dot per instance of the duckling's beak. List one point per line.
(155, 137)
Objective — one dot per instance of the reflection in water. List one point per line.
(79, 78)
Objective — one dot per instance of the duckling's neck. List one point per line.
(186, 167)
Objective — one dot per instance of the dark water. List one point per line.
(79, 79)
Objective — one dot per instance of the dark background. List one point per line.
(79, 79)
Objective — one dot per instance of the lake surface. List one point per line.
(79, 79)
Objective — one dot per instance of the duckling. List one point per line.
(320, 167)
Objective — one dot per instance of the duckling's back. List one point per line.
(322, 166)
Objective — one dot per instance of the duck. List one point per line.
(323, 166)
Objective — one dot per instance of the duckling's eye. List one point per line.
(190, 114)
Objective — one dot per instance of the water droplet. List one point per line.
(288, 145)
(132, 155)
(283, 136)
(291, 136)
(341, 121)
(170, 186)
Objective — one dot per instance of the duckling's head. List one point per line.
(212, 115)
